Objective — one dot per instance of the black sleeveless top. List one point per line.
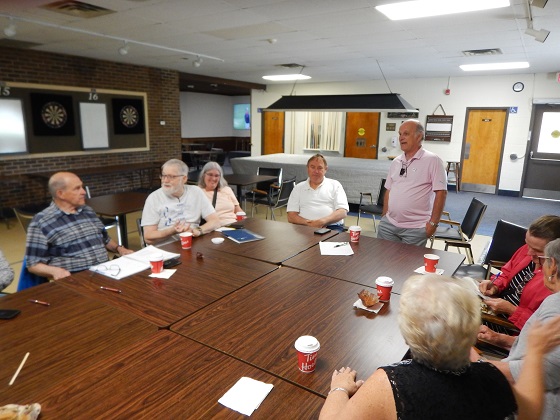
(480, 392)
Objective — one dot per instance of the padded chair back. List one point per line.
(381, 194)
(508, 238)
(265, 186)
(189, 160)
(472, 219)
(286, 188)
(24, 217)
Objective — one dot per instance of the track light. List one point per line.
(10, 30)
(124, 49)
(197, 62)
(539, 35)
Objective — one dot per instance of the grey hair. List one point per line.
(59, 182)
(208, 167)
(439, 318)
(552, 250)
(419, 127)
(179, 164)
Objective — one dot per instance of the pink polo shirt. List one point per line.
(412, 195)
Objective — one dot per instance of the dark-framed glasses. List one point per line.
(404, 169)
(112, 270)
(163, 176)
(542, 259)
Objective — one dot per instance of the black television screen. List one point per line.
(242, 116)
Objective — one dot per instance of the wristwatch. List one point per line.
(433, 224)
(200, 230)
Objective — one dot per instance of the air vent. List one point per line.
(77, 9)
(290, 65)
(490, 51)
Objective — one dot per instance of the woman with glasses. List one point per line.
(176, 207)
(221, 196)
(518, 290)
(548, 310)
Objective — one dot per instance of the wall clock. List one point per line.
(518, 87)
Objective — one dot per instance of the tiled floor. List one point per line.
(12, 240)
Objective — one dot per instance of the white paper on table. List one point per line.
(146, 253)
(246, 395)
(224, 228)
(335, 248)
(375, 308)
(421, 270)
(477, 290)
(165, 274)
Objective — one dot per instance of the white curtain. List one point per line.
(323, 130)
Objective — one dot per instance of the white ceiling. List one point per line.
(336, 40)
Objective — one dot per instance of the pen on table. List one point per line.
(341, 244)
(110, 289)
(40, 302)
(19, 369)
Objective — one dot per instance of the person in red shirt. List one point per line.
(519, 290)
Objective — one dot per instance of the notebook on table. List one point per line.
(242, 235)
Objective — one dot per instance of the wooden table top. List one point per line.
(195, 284)
(118, 204)
(63, 339)
(281, 240)
(167, 376)
(260, 323)
(373, 258)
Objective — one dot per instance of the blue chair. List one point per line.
(28, 279)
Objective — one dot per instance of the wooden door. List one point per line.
(272, 132)
(362, 134)
(482, 149)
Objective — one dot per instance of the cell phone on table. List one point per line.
(322, 231)
(171, 263)
(9, 313)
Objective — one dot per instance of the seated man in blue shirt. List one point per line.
(318, 201)
(67, 236)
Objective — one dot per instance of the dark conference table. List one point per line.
(259, 324)
(195, 284)
(63, 340)
(373, 258)
(118, 205)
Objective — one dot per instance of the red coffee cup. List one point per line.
(186, 240)
(384, 287)
(354, 233)
(307, 348)
(156, 262)
(430, 263)
(240, 215)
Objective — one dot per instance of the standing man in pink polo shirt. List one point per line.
(416, 190)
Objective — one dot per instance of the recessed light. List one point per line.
(285, 77)
(423, 8)
(495, 66)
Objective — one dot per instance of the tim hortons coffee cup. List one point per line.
(384, 287)
(240, 215)
(186, 240)
(430, 263)
(307, 349)
(354, 233)
(156, 262)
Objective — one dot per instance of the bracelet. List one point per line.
(339, 389)
(433, 224)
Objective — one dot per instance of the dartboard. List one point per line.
(129, 116)
(54, 114)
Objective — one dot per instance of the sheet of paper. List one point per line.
(246, 395)
(335, 248)
(421, 270)
(120, 268)
(145, 253)
(165, 274)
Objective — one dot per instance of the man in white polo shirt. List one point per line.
(318, 201)
(416, 190)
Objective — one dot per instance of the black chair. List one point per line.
(277, 201)
(461, 234)
(507, 238)
(108, 222)
(262, 189)
(190, 159)
(141, 232)
(373, 208)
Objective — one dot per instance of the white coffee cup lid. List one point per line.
(384, 281)
(307, 344)
(354, 228)
(185, 234)
(431, 256)
(156, 257)
(241, 213)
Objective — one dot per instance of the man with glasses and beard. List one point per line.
(416, 190)
(176, 207)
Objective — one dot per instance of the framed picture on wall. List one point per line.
(438, 127)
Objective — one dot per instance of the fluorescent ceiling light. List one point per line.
(424, 8)
(285, 77)
(495, 66)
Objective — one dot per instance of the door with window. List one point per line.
(542, 160)
(483, 145)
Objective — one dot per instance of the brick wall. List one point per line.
(161, 86)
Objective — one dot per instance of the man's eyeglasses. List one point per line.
(162, 176)
(112, 270)
(542, 259)
(403, 170)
